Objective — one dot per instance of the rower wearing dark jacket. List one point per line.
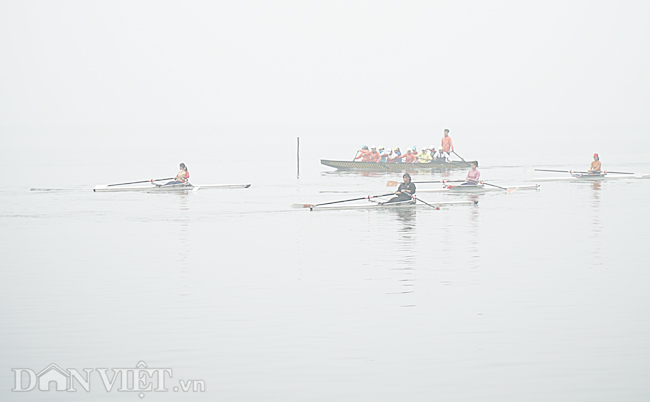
(405, 191)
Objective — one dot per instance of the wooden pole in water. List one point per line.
(297, 157)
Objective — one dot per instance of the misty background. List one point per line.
(133, 88)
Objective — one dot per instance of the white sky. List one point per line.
(542, 67)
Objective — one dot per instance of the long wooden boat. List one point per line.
(169, 188)
(392, 205)
(481, 188)
(394, 167)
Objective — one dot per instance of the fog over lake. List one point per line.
(530, 295)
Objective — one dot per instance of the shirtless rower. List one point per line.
(595, 165)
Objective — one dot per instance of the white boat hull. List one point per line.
(394, 205)
(169, 189)
(476, 189)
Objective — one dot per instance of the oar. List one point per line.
(559, 171)
(136, 182)
(425, 203)
(510, 190)
(355, 156)
(461, 158)
(394, 183)
(336, 202)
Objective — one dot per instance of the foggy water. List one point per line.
(533, 295)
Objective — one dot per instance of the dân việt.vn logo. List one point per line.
(139, 379)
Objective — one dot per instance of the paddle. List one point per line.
(395, 183)
(336, 202)
(355, 156)
(559, 171)
(136, 182)
(461, 158)
(425, 203)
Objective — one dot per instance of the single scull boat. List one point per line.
(168, 188)
(478, 188)
(392, 205)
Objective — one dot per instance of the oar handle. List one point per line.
(136, 182)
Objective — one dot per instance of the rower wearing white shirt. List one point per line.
(442, 155)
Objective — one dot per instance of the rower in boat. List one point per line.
(374, 155)
(383, 154)
(447, 145)
(424, 156)
(182, 176)
(411, 156)
(395, 156)
(442, 155)
(595, 165)
(473, 176)
(364, 154)
(405, 191)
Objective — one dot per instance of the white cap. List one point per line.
(372, 146)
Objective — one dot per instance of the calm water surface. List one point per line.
(529, 296)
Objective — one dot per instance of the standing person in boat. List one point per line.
(473, 175)
(405, 191)
(364, 154)
(595, 165)
(182, 176)
(446, 144)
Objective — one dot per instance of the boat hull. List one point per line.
(394, 205)
(167, 189)
(477, 189)
(393, 167)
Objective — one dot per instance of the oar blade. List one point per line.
(302, 205)
(392, 184)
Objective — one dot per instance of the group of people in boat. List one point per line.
(395, 155)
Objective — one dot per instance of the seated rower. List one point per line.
(383, 155)
(395, 156)
(424, 156)
(364, 154)
(473, 176)
(410, 157)
(181, 177)
(405, 191)
(595, 165)
(432, 152)
(374, 155)
(442, 155)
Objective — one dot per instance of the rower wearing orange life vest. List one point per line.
(595, 165)
(410, 157)
(181, 177)
(364, 154)
(447, 145)
(374, 155)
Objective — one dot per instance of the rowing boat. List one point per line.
(167, 188)
(476, 189)
(394, 167)
(588, 177)
(392, 205)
